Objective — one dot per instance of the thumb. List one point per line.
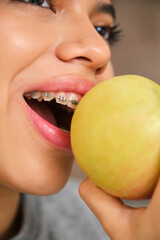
(110, 211)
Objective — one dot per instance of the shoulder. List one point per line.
(69, 215)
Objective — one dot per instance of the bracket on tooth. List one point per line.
(63, 99)
(47, 94)
(71, 100)
(35, 94)
(74, 102)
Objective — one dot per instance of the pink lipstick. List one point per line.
(47, 124)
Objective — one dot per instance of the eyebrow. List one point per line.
(106, 8)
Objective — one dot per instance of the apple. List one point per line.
(115, 136)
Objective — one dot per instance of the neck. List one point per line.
(9, 213)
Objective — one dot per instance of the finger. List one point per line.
(111, 212)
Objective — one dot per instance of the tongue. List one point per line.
(43, 111)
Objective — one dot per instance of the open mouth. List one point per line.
(57, 108)
(49, 107)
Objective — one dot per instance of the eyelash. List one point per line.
(113, 34)
(51, 3)
(110, 34)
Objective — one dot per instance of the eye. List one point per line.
(104, 32)
(48, 4)
(110, 34)
(41, 3)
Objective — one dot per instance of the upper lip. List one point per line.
(69, 83)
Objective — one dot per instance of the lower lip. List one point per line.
(53, 134)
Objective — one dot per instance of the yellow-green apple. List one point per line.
(115, 136)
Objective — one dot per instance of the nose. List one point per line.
(81, 43)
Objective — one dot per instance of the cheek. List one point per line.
(22, 41)
(108, 73)
(19, 44)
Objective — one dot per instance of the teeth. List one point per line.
(69, 99)
(61, 98)
(40, 98)
(28, 95)
(36, 95)
(72, 101)
(48, 96)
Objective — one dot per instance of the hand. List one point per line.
(122, 222)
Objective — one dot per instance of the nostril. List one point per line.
(100, 70)
(83, 58)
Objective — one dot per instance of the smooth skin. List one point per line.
(28, 163)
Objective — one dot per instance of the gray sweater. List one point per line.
(63, 216)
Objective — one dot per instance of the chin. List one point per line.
(41, 185)
(43, 188)
(41, 176)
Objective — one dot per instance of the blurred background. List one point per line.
(138, 51)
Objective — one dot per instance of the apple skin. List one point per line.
(115, 136)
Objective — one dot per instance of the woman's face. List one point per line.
(60, 52)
